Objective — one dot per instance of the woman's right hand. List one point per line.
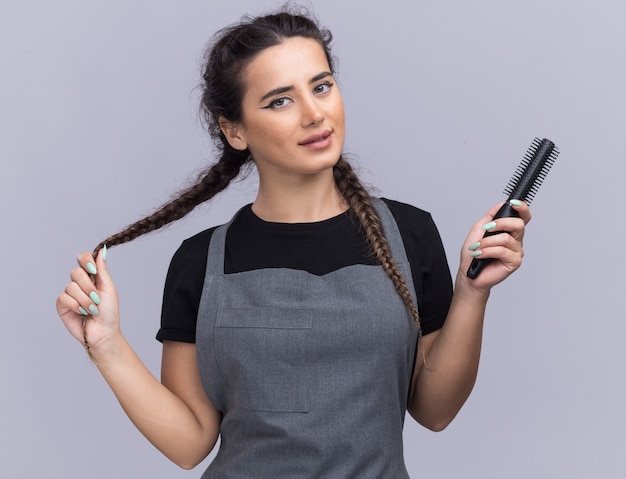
(89, 305)
(176, 415)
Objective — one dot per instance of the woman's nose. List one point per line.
(312, 113)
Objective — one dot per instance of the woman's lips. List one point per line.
(319, 140)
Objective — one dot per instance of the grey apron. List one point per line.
(311, 373)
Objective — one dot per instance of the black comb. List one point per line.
(523, 186)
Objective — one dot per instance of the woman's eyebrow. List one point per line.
(320, 76)
(284, 89)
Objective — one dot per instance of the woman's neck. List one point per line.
(303, 199)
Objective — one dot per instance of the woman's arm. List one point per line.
(442, 385)
(174, 415)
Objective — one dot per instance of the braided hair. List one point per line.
(233, 48)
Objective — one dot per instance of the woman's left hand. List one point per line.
(506, 249)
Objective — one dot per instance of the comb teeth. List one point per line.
(533, 169)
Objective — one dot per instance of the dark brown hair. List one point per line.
(232, 50)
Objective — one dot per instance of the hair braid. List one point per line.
(223, 88)
(216, 179)
(359, 200)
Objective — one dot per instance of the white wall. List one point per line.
(98, 125)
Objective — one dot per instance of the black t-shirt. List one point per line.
(318, 248)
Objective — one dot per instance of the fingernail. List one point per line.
(93, 310)
(476, 253)
(474, 246)
(92, 268)
(104, 251)
(489, 226)
(94, 297)
(515, 202)
(82, 311)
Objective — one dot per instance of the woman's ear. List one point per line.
(233, 133)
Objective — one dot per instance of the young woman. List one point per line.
(293, 332)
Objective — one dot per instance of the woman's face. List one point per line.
(293, 119)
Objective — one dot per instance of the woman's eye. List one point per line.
(323, 88)
(279, 103)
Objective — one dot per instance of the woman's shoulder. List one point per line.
(194, 246)
(409, 216)
(199, 242)
(201, 239)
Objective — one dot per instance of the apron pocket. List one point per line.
(263, 351)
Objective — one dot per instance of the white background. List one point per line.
(99, 125)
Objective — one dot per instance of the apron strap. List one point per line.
(217, 248)
(390, 228)
(215, 258)
(396, 245)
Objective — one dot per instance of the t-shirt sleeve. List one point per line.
(183, 289)
(429, 265)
